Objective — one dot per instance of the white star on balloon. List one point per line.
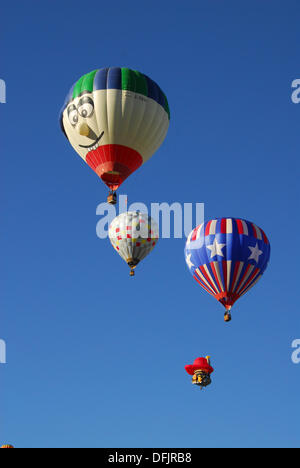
(216, 249)
(255, 253)
(189, 262)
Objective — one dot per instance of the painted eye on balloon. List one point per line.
(73, 115)
(86, 107)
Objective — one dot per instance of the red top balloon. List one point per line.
(200, 370)
(199, 364)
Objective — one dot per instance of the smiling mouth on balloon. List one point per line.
(93, 145)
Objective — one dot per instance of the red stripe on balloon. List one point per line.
(223, 226)
(207, 228)
(208, 278)
(240, 226)
(114, 163)
(264, 237)
(216, 276)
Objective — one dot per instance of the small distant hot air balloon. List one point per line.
(133, 235)
(227, 256)
(201, 371)
(7, 446)
(115, 119)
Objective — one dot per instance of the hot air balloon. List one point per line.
(133, 235)
(7, 446)
(115, 119)
(201, 371)
(227, 256)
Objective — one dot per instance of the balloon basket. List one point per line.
(132, 263)
(201, 379)
(112, 198)
(227, 317)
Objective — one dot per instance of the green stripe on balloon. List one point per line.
(131, 80)
(134, 81)
(85, 83)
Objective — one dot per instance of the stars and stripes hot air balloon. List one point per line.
(201, 371)
(133, 235)
(227, 257)
(115, 119)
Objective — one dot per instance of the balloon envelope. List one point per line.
(227, 257)
(199, 364)
(115, 119)
(133, 235)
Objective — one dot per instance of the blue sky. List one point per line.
(96, 359)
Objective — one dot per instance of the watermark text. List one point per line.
(2, 352)
(2, 92)
(296, 353)
(296, 93)
(175, 220)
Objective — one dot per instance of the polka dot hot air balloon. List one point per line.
(227, 257)
(115, 119)
(133, 235)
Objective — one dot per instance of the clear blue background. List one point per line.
(96, 359)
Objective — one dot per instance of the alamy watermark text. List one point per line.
(2, 92)
(175, 220)
(2, 352)
(296, 93)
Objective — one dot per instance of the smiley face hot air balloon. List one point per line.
(227, 257)
(115, 119)
(133, 235)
